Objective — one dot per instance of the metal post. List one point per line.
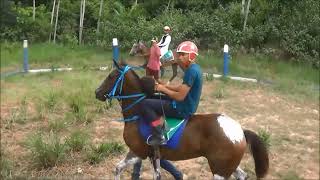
(115, 49)
(25, 56)
(225, 60)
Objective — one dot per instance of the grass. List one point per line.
(77, 140)
(97, 153)
(46, 151)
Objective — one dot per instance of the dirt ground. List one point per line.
(293, 126)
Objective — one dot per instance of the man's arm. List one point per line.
(173, 87)
(180, 93)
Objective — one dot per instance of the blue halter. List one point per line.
(119, 82)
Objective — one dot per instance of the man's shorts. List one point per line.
(151, 72)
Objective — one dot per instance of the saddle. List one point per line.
(173, 130)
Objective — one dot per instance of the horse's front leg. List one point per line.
(155, 160)
(130, 159)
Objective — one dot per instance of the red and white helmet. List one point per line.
(188, 47)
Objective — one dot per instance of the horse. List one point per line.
(217, 137)
(139, 49)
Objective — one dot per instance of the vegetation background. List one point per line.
(285, 29)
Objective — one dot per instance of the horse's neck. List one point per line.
(131, 87)
(146, 51)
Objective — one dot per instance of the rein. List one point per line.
(119, 83)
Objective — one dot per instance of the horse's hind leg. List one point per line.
(161, 71)
(220, 169)
(174, 71)
(239, 174)
(130, 159)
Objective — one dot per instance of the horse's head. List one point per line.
(137, 48)
(121, 81)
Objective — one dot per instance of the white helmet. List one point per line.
(166, 28)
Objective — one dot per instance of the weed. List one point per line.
(51, 101)
(6, 166)
(220, 93)
(98, 153)
(77, 140)
(209, 77)
(41, 112)
(56, 125)
(265, 137)
(46, 152)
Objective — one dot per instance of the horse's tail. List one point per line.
(259, 152)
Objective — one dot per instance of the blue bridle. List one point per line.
(119, 82)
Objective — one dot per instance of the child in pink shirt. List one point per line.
(153, 66)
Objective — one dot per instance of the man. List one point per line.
(165, 41)
(185, 97)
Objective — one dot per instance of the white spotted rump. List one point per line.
(231, 128)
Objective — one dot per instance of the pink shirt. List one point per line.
(154, 59)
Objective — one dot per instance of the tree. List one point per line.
(82, 10)
(55, 27)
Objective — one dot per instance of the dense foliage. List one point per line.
(283, 28)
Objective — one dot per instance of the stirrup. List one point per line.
(158, 142)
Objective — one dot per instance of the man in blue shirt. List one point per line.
(185, 97)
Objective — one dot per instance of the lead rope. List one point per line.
(164, 116)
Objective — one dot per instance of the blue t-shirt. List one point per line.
(192, 78)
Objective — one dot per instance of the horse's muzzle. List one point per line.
(99, 95)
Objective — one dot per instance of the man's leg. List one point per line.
(171, 169)
(136, 170)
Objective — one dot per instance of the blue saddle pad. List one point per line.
(168, 56)
(173, 133)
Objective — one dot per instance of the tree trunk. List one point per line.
(243, 5)
(82, 10)
(168, 5)
(55, 26)
(34, 10)
(51, 22)
(246, 17)
(100, 12)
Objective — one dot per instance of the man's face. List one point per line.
(184, 59)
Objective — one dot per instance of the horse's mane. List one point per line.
(147, 83)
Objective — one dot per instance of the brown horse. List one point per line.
(141, 50)
(217, 137)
